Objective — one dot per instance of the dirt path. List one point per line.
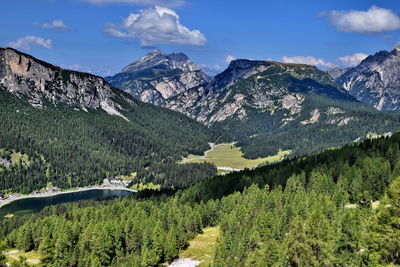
(186, 262)
(200, 251)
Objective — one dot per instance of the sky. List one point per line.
(103, 36)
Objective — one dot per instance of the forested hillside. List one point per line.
(292, 213)
(76, 130)
(77, 148)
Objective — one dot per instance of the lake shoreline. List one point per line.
(51, 193)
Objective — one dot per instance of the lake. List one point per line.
(34, 205)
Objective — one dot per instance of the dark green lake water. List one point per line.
(33, 205)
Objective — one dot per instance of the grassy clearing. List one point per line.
(129, 178)
(32, 257)
(16, 156)
(202, 247)
(229, 155)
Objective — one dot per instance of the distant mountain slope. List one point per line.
(376, 80)
(159, 76)
(271, 106)
(336, 72)
(255, 84)
(262, 104)
(87, 130)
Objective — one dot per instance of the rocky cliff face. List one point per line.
(376, 80)
(157, 77)
(39, 81)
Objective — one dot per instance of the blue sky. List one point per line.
(102, 36)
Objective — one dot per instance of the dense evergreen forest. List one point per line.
(70, 147)
(293, 213)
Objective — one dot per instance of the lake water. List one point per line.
(33, 205)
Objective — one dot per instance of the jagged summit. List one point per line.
(158, 76)
(39, 81)
(376, 80)
(160, 60)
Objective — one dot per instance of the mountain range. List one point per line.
(68, 129)
(262, 104)
(77, 130)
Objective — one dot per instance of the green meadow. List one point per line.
(231, 156)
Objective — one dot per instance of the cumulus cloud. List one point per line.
(353, 60)
(28, 41)
(308, 60)
(57, 25)
(168, 3)
(158, 25)
(229, 58)
(374, 20)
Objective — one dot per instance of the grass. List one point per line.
(202, 247)
(149, 186)
(33, 257)
(9, 216)
(16, 156)
(229, 155)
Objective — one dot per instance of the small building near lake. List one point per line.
(115, 182)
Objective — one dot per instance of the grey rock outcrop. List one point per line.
(248, 86)
(24, 75)
(157, 77)
(376, 80)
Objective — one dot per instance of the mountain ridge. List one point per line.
(157, 76)
(23, 74)
(64, 120)
(376, 80)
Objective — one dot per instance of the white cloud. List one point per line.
(57, 25)
(374, 20)
(211, 67)
(26, 42)
(353, 60)
(159, 25)
(307, 60)
(168, 3)
(229, 58)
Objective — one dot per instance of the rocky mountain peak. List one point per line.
(336, 72)
(376, 80)
(158, 76)
(24, 75)
(396, 51)
(159, 60)
(238, 69)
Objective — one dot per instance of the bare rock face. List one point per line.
(24, 75)
(248, 86)
(376, 80)
(336, 72)
(157, 77)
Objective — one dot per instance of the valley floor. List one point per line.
(228, 157)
